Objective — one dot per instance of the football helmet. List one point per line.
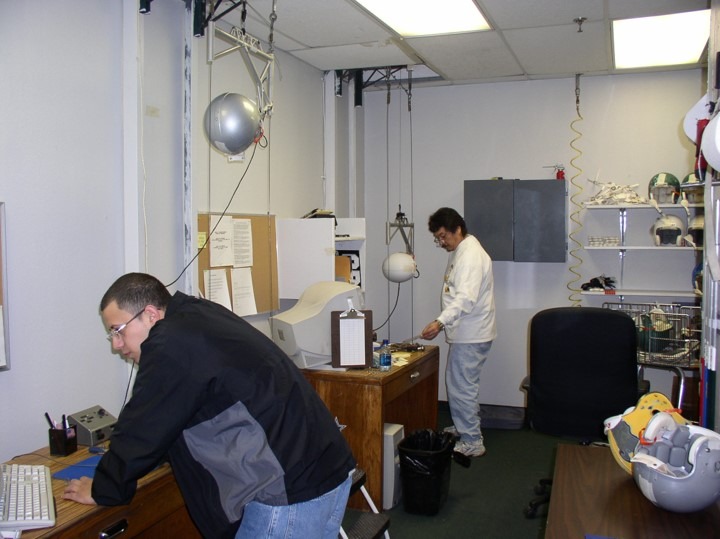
(696, 230)
(677, 467)
(694, 192)
(623, 431)
(668, 230)
(664, 188)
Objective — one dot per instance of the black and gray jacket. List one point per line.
(234, 416)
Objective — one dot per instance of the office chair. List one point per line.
(583, 369)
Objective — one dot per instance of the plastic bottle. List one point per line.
(385, 356)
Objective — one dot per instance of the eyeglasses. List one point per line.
(117, 332)
(440, 239)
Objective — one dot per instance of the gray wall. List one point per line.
(631, 129)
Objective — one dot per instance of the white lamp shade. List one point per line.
(399, 267)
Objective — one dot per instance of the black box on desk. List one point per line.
(93, 425)
(63, 442)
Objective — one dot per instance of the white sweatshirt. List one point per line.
(468, 302)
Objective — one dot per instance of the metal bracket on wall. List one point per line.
(249, 47)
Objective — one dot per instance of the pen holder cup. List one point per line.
(63, 442)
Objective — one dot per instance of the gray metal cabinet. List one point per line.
(518, 220)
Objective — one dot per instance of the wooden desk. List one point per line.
(591, 494)
(364, 400)
(157, 510)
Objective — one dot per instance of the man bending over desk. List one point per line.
(254, 450)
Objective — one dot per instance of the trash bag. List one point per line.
(425, 457)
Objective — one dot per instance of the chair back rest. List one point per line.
(583, 369)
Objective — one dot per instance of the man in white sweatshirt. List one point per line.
(468, 319)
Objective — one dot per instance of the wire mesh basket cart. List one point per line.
(668, 336)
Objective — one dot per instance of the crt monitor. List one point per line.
(303, 331)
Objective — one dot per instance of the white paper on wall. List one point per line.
(216, 287)
(221, 241)
(243, 292)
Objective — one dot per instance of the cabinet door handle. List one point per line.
(114, 530)
(414, 376)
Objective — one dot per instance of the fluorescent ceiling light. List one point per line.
(661, 41)
(412, 18)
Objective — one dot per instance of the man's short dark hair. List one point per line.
(134, 291)
(447, 218)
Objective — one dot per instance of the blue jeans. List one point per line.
(319, 518)
(462, 380)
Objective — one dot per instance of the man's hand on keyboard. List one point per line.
(79, 490)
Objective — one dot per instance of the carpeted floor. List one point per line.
(487, 500)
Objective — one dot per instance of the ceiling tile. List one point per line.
(354, 56)
(467, 56)
(523, 14)
(622, 9)
(321, 23)
(556, 50)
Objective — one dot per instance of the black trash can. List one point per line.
(425, 458)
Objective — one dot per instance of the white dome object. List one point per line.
(232, 123)
(399, 267)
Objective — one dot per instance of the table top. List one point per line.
(369, 375)
(592, 495)
(69, 513)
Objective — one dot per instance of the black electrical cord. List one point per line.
(207, 239)
(397, 298)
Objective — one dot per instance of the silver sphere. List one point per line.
(232, 122)
(399, 267)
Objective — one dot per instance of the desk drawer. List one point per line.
(157, 507)
(413, 375)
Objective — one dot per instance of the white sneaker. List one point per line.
(452, 430)
(470, 449)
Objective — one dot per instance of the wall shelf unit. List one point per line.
(642, 293)
(635, 239)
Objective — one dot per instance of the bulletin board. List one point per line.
(264, 255)
(4, 344)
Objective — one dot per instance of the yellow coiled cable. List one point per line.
(576, 223)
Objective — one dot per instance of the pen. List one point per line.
(65, 422)
(50, 421)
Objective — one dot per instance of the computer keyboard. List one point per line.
(26, 497)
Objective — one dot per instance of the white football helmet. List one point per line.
(677, 467)
(691, 188)
(696, 229)
(668, 230)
